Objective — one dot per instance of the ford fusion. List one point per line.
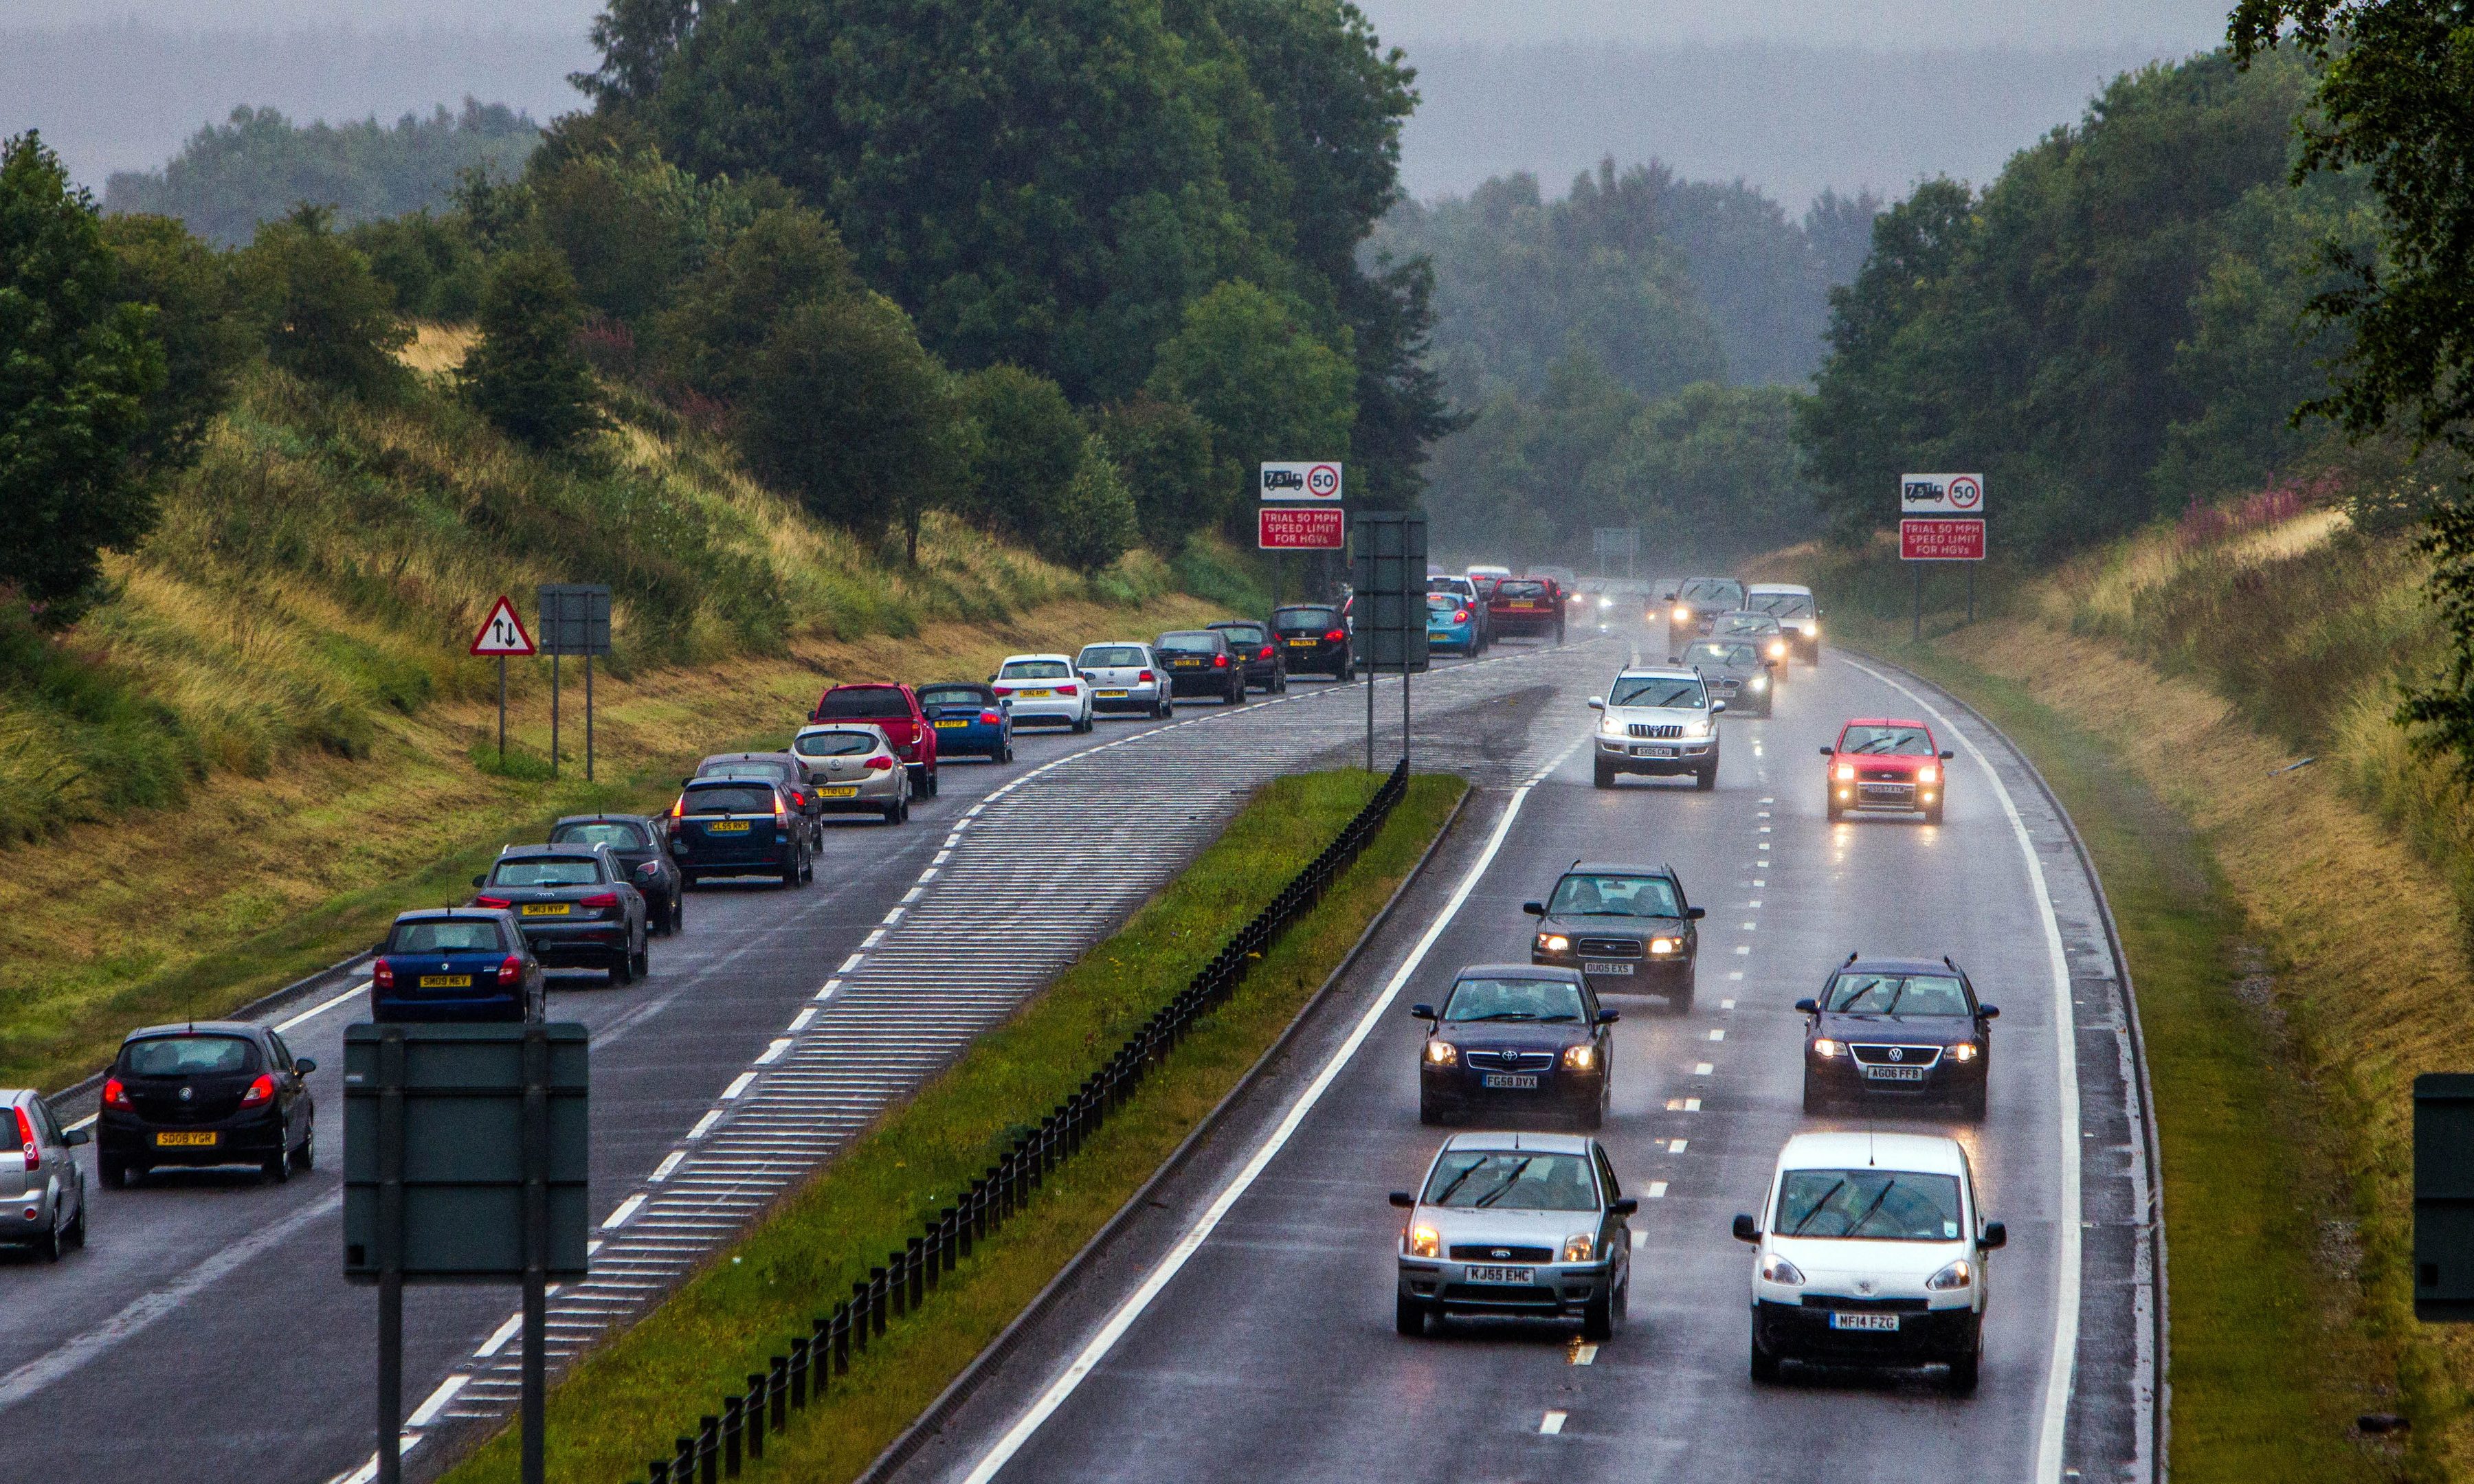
(1659, 722)
(1516, 1038)
(1885, 763)
(1627, 928)
(1891, 1028)
(1516, 1223)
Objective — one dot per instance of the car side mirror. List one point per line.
(1675, 660)
(304, 1066)
(75, 1136)
(1987, 1011)
(1996, 1235)
(1695, 914)
(1421, 1011)
(1597, 702)
(481, 880)
(1747, 1230)
(1608, 1016)
(1808, 1007)
(1535, 909)
(1629, 1206)
(1403, 1200)
(1947, 755)
(1715, 706)
(1829, 752)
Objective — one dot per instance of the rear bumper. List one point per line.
(1200, 682)
(16, 1225)
(1136, 698)
(424, 1012)
(241, 1139)
(1796, 1333)
(703, 860)
(1322, 659)
(1047, 709)
(974, 741)
(1509, 624)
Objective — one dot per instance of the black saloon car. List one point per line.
(1888, 1028)
(638, 842)
(1627, 928)
(1516, 1038)
(1267, 668)
(1200, 662)
(204, 1093)
(791, 771)
(573, 904)
(455, 963)
(1312, 639)
(737, 827)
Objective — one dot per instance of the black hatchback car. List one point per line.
(1897, 1028)
(1200, 662)
(791, 771)
(1267, 666)
(1516, 1038)
(1312, 639)
(575, 905)
(455, 963)
(737, 827)
(205, 1093)
(638, 844)
(1627, 928)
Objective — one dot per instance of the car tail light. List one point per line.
(878, 763)
(1067, 690)
(262, 1090)
(383, 974)
(800, 798)
(1005, 690)
(1460, 616)
(511, 970)
(605, 901)
(1266, 654)
(1219, 661)
(114, 1093)
(26, 1137)
(492, 901)
(1335, 635)
(1147, 677)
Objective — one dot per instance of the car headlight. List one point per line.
(1964, 1051)
(1681, 616)
(1776, 1269)
(1824, 1046)
(1578, 1246)
(1553, 942)
(1443, 1053)
(1696, 729)
(1759, 683)
(1777, 649)
(1846, 773)
(1609, 727)
(1424, 1242)
(1958, 1275)
(1580, 1059)
(1605, 603)
(1664, 945)
(1928, 774)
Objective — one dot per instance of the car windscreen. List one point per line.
(1517, 588)
(1514, 999)
(1723, 656)
(548, 871)
(1111, 656)
(1632, 896)
(1446, 585)
(861, 703)
(1705, 589)
(1906, 994)
(446, 935)
(1036, 670)
(1874, 1205)
(1747, 623)
(1659, 690)
(834, 744)
(1512, 1180)
(618, 834)
(1886, 741)
(1306, 620)
(1782, 605)
(1443, 603)
(952, 695)
(1190, 643)
(725, 800)
(188, 1056)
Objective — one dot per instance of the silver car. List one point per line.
(1661, 722)
(1125, 676)
(42, 1190)
(1528, 1225)
(1734, 672)
(855, 768)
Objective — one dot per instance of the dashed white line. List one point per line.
(801, 1020)
(1702, 1068)
(1676, 1145)
(851, 964)
(1552, 1423)
(1657, 1190)
(670, 1163)
(773, 1053)
(498, 1337)
(625, 1209)
(737, 1084)
(703, 1125)
(428, 1412)
(1717, 1032)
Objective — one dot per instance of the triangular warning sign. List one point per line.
(503, 633)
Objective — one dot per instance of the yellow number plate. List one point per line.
(1302, 644)
(851, 792)
(548, 909)
(1185, 664)
(446, 981)
(726, 828)
(941, 724)
(1040, 692)
(205, 1140)
(1111, 695)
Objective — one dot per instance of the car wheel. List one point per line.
(1409, 1316)
(1836, 814)
(1963, 1371)
(1429, 1112)
(114, 1173)
(50, 1246)
(306, 1160)
(642, 965)
(76, 1234)
(1769, 704)
(1705, 778)
(1237, 693)
(678, 913)
(1605, 776)
(277, 1169)
(1816, 1098)
(892, 812)
(1765, 1366)
(1598, 1320)
(622, 970)
(1681, 1001)
(807, 866)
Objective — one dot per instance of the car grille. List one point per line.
(1884, 775)
(1510, 1061)
(1655, 730)
(1879, 793)
(1886, 1055)
(1866, 1306)
(1609, 948)
(1480, 1252)
(1727, 683)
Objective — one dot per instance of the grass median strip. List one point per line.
(627, 1403)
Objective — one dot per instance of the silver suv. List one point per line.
(1661, 722)
(42, 1190)
(1516, 1223)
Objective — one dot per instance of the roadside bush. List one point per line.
(1163, 450)
(329, 319)
(201, 319)
(527, 375)
(1094, 521)
(431, 263)
(787, 257)
(1030, 448)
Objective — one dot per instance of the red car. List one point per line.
(1881, 763)
(896, 708)
(1526, 605)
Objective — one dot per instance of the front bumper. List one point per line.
(1459, 1089)
(1947, 1077)
(1896, 796)
(1649, 975)
(1793, 1331)
(1625, 756)
(1562, 1289)
(244, 1138)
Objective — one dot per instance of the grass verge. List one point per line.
(627, 1402)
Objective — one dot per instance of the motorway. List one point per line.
(1241, 1329)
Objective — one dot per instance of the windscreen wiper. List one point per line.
(1505, 1189)
(1818, 1206)
(1869, 1211)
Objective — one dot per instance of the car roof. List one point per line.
(952, 685)
(575, 848)
(1174, 634)
(745, 780)
(1893, 966)
(1605, 868)
(1928, 1154)
(869, 685)
(245, 1028)
(1543, 1143)
(1882, 721)
(1011, 659)
(450, 914)
(1117, 644)
(1659, 672)
(1796, 588)
(1517, 972)
(1230, 623)
(598, 819)
(749, 758)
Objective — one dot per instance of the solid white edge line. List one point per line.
(428, 1412)
(2064, 1359)
(1122, 1319)
(498, 1337)
(625, 1209)
(315, 1011)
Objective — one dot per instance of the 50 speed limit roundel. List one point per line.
(1966, 492)
(1323, 481)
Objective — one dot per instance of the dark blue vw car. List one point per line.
(455, 963)
(971, 720)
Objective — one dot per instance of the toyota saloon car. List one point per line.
(1692, 603)
(1315, 640)
(1516, 1225)
(737, 827)
(1881, 763)
(1044, 688)
(574, 903)
(455, 963)
(1792, 606)
(1626, 928)
(893, 708)
(1734, 672)
(970, 720)
(1125, 676)
(1871, 1251)
(1884, 1030)
(642, 846)
(1267, 665)
(1201, 663)
(1661, 722)
(1759, 627)
(204, 1092)
(1516, 1039)
(42, 1190)
(856, 771)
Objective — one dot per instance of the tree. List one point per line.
(1163, 450)
(327, 318)
(78, 367)
(1267, 386)
(1030, 450)
(787, 257)
(527, 375)
(1093, 522)
(200, 317)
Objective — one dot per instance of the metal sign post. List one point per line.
(502, 634)
(575, 621)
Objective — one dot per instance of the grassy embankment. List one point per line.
(269, 736)
(2297, 947)
(627, 1402)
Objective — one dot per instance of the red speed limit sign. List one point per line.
(1942, 539)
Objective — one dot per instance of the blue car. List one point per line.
(455, 963)
(1451, 624)
(971, 720)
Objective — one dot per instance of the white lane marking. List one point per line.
(942, 856)
(1552, 1423)
(1657, 1192)
(1747, 927)
(703, 1125)
(1757, 881)
(317, 1010)
(405, 1443)
(498, 1337)
(827, 993)
(139, 1312)
(801, 1020)
(893, 915)
(428, 1412)
(851, 963)
(670, 1163)
(737, 1084)
(1769, 801)
(1742, 949)
(1755, 902)
(1717, 1032)
(1728, 1004)
(1002, 1452)
(1765, 830)
(2064, 1359)
(1584, 1354)
(625, 1209)
(917, 891)
(1676, 1145)
(1702, 1068)
(874, 938)
(772, 1052)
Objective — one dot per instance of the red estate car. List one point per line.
(896, 708)
(1881, 763)
(1526, 605)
